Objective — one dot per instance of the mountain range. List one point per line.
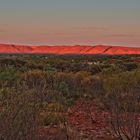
(77, 49)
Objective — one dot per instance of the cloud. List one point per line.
(93, 28)
(122, 35)
(2, 31)
(68, 33)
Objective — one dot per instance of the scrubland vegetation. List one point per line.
(51, 97)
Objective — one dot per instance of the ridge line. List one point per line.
(107, 49)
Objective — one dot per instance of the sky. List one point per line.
(70, 22)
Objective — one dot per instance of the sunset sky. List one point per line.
(51, 22)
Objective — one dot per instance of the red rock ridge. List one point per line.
(78, 49)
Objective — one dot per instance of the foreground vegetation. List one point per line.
(37, 91)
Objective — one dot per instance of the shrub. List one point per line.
(53, 114)
(19, 114)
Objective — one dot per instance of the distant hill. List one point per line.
(78, 49)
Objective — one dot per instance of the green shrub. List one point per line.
(53, 114)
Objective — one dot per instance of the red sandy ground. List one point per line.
(84, 118)
(98, 49)
(87, 118)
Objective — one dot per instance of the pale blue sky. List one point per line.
(115, 22)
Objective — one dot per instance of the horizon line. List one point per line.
(51, 45)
